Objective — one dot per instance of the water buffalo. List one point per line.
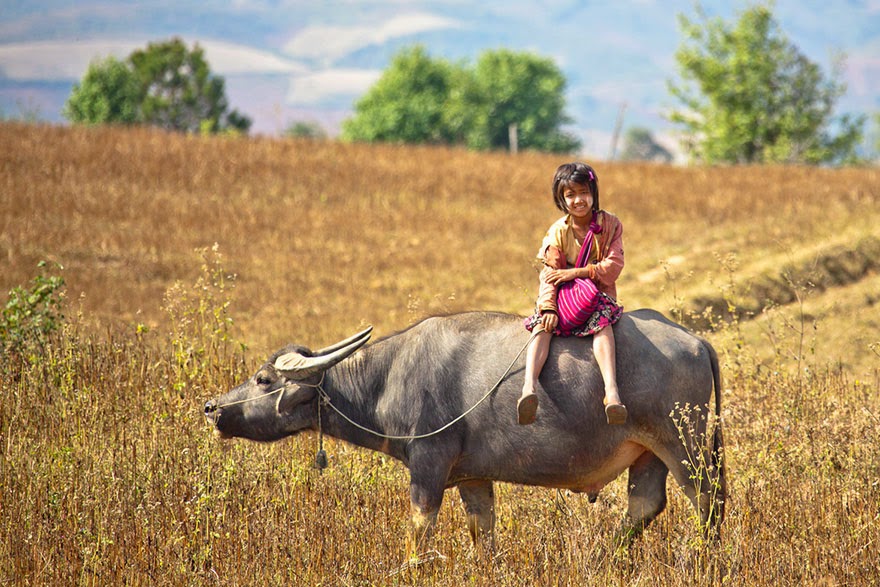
(391, 395)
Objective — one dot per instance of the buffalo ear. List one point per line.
(292, 362)
(294, 396)
(296, 366)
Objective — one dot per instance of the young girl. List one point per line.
(576, 192)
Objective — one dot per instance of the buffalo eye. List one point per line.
(263, 379)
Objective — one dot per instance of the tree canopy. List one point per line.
(639, 145)
(420, 99)
(406, 104)
(525, 90)
(751, 96)
(165, 85)
(108, 93)
(305, 129)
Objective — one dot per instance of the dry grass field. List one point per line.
(188, 259)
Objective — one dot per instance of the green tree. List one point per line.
(750, 96)
(164, 85)
(406, 104)
(525, 90)
(420, 99)
(639, 145)
(108, 93)
(178, 91)
(305, 129)
(876, 138)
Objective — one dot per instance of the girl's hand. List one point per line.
(549, 320)
(557, 276)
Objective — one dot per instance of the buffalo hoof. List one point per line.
(526, 408)
(616, 414)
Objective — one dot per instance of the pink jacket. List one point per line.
(604, 272)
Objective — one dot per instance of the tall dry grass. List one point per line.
(109, 475)
(315, 231)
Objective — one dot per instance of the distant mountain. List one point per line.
(287, 61)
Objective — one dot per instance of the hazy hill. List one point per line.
(289, 61)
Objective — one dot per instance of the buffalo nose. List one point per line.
(210, 407)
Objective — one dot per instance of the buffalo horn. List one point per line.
(344, 343)
(300, 367)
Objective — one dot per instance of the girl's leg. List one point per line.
(605, 353)
(536, 356)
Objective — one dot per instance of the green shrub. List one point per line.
(31, 315)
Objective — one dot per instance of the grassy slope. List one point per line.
(324, 237)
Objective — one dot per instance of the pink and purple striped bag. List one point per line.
(576, 300)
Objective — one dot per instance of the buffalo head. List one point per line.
(280, 399)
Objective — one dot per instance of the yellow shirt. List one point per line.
(561, 235)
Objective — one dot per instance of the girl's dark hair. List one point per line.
(569, 174)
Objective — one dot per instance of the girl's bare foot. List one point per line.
(616, 414)
(615, 411)
(526, 407)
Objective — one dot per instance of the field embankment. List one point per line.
(108, 474)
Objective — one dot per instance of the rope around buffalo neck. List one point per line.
(326, 400)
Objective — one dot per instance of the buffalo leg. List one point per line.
(424, 506)
(647, 496)
(478, 498)
(426, 487)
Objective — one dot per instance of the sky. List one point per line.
(287, 61)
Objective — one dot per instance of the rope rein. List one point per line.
(268, 393)
(326, 400)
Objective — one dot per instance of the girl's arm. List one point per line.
(554, 259)
(608, 269)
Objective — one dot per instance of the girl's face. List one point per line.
(578, 200)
